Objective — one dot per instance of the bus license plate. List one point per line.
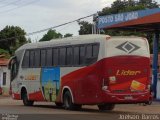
(128, 97)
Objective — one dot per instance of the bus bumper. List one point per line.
(127, 98)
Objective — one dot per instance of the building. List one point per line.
(4, 76)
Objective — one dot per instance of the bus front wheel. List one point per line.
(67, 102)
(105, 107)
(26, 102)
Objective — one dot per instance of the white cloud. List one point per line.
(105, 3)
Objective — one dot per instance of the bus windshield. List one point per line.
(13, 66)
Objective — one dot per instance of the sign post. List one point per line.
(155, 62)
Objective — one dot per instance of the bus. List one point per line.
(85, 70)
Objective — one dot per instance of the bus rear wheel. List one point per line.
(26, 102)
(106, 107)
(67, 102)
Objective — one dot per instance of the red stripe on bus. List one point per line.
(16, 96)
(37, 96)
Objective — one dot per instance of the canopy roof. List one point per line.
(3, 62)
(147, 20)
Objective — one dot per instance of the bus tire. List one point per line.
(26, 102)
(67, 102)
(106, 107)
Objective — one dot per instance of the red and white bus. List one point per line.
(84, 70)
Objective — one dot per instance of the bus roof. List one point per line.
(69, 41)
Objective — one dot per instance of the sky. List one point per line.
(34, 15)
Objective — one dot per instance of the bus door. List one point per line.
(50, 82)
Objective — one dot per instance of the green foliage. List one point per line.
(148, 3)
(127, 6)
(68, 35)
(16, 37)
(51, 34)
(85, 27)
(5, 53)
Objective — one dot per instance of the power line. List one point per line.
(46, 29)
(24, 5)
(5, 5)
(43, 30)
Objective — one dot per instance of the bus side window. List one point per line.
(37, 58)
(55, 56)
(49, 57)
(76, 55)
(62, 56)
(89, 58)
(43, 57)
(95, 50)
(88, 51)
(32, 59)
(82, 55)
(92, 51)
(25, 62)
(69, 56)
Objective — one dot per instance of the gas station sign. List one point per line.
(116, 19)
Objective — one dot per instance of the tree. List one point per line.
(4, 53)
(12, 37)
(148, 3)
(85, 27)
(51, 34)
(127, 6)
(68, 35)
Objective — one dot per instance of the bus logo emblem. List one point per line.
(128, 47)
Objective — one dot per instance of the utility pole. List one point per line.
(95, 30)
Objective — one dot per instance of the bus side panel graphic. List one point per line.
(50, 82)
